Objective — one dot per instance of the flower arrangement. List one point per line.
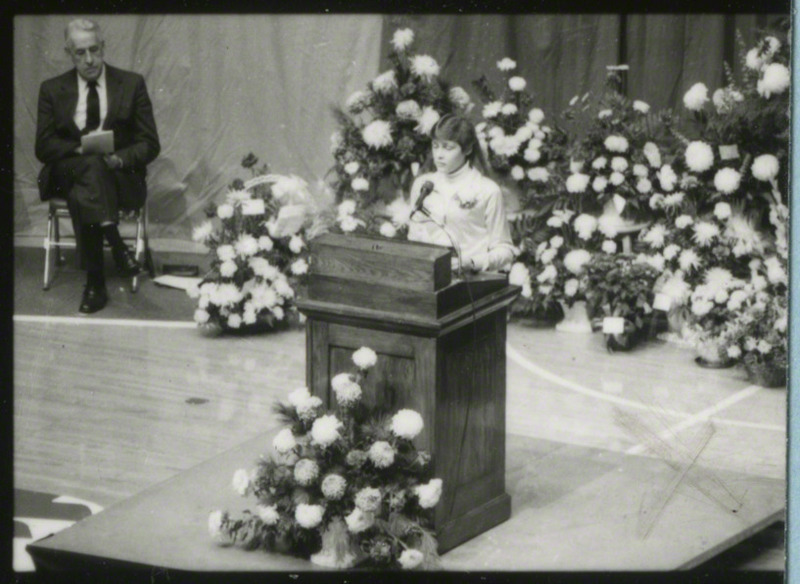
(738, 152)
(620, 286)
(257, 240)
(384, 135)
(344, 487)
(517, 141)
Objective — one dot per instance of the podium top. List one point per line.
(407, 265)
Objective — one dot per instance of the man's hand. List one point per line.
(113, 161)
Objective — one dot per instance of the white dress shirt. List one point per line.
(83, 93)
(469, 208)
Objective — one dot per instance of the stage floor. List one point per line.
(109, 405)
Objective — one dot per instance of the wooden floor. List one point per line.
(104, 409)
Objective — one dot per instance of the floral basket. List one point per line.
(345, 487)
(765, 374)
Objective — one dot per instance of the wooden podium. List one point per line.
(441, 352)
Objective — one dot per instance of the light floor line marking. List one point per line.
(701, 416)
(83, 320)
(515, 356)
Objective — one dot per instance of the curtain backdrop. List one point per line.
(223, 86)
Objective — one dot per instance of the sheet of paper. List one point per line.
(100, 142)
(179, 282)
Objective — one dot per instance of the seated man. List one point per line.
(90, 97)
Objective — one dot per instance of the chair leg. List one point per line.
(47, 252)
(60, 259)
(139, 253)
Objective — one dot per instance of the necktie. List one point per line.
(92, 107)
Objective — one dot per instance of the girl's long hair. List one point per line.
(460, 130)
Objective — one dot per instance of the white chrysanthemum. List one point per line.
(296, 244)
(299, 267)
(538, 174)
(656, 236)
(325, 430)
(309, 516)
(298, 396)
(689, 260)
(202, 231)
(364, 358)
(699, 156)
(576, 166)
(360, 184)
(226, 252)
(227, 269)
(385, 82)
(717, 279)
(734, 352)
(609, 225)
(400, 211)
(548, 255)
(641, 106)
(496, 132)
(407, 424)
(736, 300)
(705, 232)
(671, 251)
(571, 287)
(599, 184)
(616, 178)
(410, 558)
(653, 154)
(616, 143)
(492, 109)
(201, 316)
(265, 243)
(676, 288)
(346, 208)
(241, 482)
(585, 225)
(333, 486)
(576, 259)
(368, 499)
(599, 163)
(387, 230)
(381, 453)
(722, 211)
(619, 164)
(306, 471)
(429, 493)
(352, 167)
(268, 514)
(506, 64)
(524, 133)
(753, 59)
(742, 233)
(644, 186)
(377, 134)
(531, 155)
(667, 178)
(225, 211)
(683, 221)
(775, 272)
(307, 410)
(577, 183)
(609, 246)
(765, 167)
(536, 116)
(727, 180)
(424, 66)
(346, 389)
(774, 81)
(359, 521)
(286, 186)
(696, 97)
(640, 170)
(764, 346)
(357, 101)
(674, 199)
(516, 83)
(517, 172)
(604, 113)
(508, 109)
(427, 120)
(336, 140)
(262, 268)
(402, 38)
(284, 441)
(556, 241)
(519, 275)
(349, 223)
(459, 97)
(408, 109)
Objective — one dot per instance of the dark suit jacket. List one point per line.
(129, 115)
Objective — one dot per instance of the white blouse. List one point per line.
(469, 207)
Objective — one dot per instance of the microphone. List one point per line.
(424, 191)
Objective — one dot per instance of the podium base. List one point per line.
(474, 522)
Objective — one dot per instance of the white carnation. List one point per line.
(538, 174)
(699, 156)
(364, 358)
(619, 164)
(508, 109)
(599, 184)
(299, 267)
(265, 243)
(506, 64)
(683, 221)
(641, 106)
(653, 154)
(585, 225)
(765, 167)
(268, 514)
(667, 178)
(360, 184)
(722, 211)
(577, 183)
(410, 558)
(696, 97)
(599, 163)
(536, 116)
(429, 493)
(576, 259)
(616, 178)
(609, 246)
(775, 80)
(616, 143)
(388, 230)
(516, 84)
(571, 287)
(727, 180)
(227, 269)
(351, 167)
(296, 244)
(492, 109)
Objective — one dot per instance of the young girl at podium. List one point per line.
(457, 206)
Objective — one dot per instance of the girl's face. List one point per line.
(447, 155)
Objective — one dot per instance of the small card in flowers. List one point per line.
(253, 207)
(729, 152)
(662, 302)
(613, 325)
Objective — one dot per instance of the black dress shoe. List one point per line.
(94, 299)
(126, 262)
